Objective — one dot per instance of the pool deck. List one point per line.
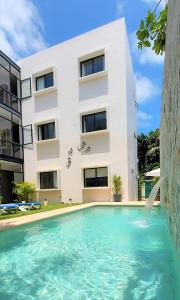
(4, 224)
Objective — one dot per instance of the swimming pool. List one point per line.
(96, 253)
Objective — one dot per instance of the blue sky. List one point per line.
(33, 25)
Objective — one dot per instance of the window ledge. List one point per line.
(45, 91)
(93, 76)
(47, 190)
(47, 141)
(97, 132)
(97, 188)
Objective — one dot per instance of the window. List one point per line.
(5, 79)
(44, 81)
(46, 131)
(15, 72)
(26, 88)
(4, 62)
(94, 122)
(48, 180)
(27, 135)
(15, 85)
(9, 79)
(10, 131)
(96, 177)
(93, 65)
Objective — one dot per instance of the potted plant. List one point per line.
(116, 188)
(24, 190)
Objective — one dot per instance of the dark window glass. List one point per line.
(15, 72)
(46, 131)
(49, 80)
(15, 133)
(94, 122)
(45, 81)
(9, 82)
(11, 149)
(4, 62)
(96, 177)
(14, 88)
(100, 121)
(93, 65)
(15, 104)
(15, 85)
(5, 97)
(87, 68)
(10, 131)
(99, 64)
(48, 180)
(88, 123)
(4, 79)
(5, 129)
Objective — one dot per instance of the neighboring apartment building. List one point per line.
(11, 148)
(79, 97)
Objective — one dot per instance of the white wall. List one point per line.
(112, 91)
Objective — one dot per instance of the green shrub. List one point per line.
(24, 190)
(116, 184)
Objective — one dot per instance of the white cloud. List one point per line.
(20, 28)
(145, 89)
(144, 119)
(119, 8)
(145, 55)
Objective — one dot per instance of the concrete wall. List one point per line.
(70, 99)
(170, 122)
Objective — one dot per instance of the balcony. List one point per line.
(11, 151)
(10, 100)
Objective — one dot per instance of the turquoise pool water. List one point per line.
(98, 254)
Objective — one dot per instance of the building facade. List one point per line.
(78, 98)
(11, 137)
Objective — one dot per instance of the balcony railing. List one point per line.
(10, 150)
(10, 100)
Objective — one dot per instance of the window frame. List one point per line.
(94, 122)
(8, 67)
(10, 76)
(39, 131)
(41, 76)
(96, 172)
(29, 78)
(92, 59)
(55, 184)
(23, 127)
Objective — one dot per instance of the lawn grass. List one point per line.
(35, 211)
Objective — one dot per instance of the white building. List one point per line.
(79, 97)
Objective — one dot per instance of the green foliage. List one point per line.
(116, 184)
(148, 152)
(24, 190)
(155, 180)
(140, 185)
(152, 31)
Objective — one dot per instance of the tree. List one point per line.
(142, 143)
(148, 151)
(148, 155)
(24, 190)
(152, 155)
(152, 30)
